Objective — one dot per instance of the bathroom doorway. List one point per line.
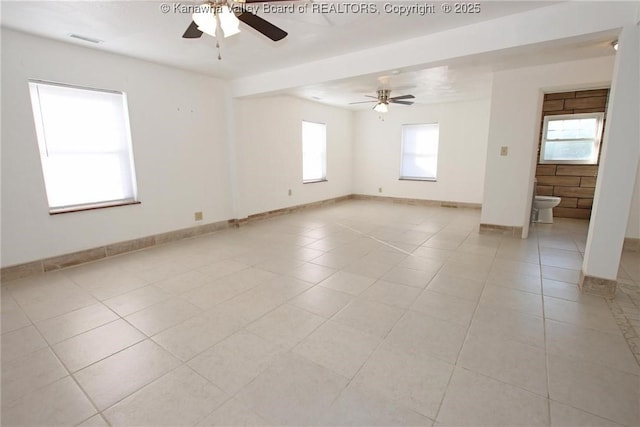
(569, 146)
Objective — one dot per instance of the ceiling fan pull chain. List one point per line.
(218, 36)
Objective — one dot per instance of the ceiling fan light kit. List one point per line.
(206, 22)
(381, 107)
(215, 19)
(229, 23)
(222, 18)
(383, 99)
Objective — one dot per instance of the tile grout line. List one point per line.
(381, 343)
(325, 321)
(72, 374)
(544, 334)
(57, 357)
(69, 374)
(466, 337)
(139, 389)
(549, 400)
(628, 331)
(242, 328)
(349, 380)
(376, 239)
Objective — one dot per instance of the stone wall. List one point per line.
(575, 184)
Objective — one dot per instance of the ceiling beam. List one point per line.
(546, 24)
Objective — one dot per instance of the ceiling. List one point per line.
(140, 29)
(464, 79)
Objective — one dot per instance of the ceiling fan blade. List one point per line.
(403, 97)
(393, 101)
(362, 102)
(262, 26)
(192, 32)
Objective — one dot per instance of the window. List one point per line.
(571, 138)
(85, 146)
(420, 152)
(314, 152)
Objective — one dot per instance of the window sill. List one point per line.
(402, 178)
(314, 181)
(92, 206)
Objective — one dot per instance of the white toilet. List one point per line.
(545, 205)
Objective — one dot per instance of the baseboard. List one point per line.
(493, 228)
(93, 254)
(631, 244)
(88, 255)
(597, 286)
(289, 210)
(112, 249)
(417, 202)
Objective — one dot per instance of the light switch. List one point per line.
(504, 150)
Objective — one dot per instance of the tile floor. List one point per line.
(361, 313)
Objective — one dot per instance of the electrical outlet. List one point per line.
(504, 150)
(198, 216)
(379, 189)
(290, 192)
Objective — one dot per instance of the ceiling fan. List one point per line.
(222, 17)
(383, 100)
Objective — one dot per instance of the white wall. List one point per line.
(179, 135)
(516, 105)
(618, 164)
(461, 156)
(633, 224)
(269, 153)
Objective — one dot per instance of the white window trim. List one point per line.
(596, 142)
(416, 178)
(324, 168)
(54, 210)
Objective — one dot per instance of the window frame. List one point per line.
(402, 153)
(597, 141)
(125, 154)
(323, 178)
